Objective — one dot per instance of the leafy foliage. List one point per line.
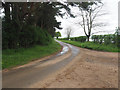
(58, 34)
(80, 38)
(106, 39)
(94, 46)
(26, 24)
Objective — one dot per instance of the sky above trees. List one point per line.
(110, 19)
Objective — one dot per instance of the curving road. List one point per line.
(30, 74)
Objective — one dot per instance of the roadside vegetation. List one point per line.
(28, 30)
(15, 57)
(94, 46)
(108, 43)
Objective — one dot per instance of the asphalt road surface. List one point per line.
(26, 76)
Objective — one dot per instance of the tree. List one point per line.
(69, 32)
(89, 12)
(26, 24)
(58, 34)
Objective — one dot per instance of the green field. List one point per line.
(94, 46)
(15, 57)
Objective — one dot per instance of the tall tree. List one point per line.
(89, 12)
(28, 23)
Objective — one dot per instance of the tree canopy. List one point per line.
(29, 23)
(58, 34)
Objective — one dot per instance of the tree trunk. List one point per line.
(7, 12)
(68, 37)
(88, 37)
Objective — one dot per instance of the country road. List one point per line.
(83, 67)
(29, 74)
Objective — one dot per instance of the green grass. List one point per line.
(12, 57)
(94, 46)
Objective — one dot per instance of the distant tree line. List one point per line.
(101, 39)
(106, 39)
(79, 39)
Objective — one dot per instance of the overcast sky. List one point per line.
(110, 19)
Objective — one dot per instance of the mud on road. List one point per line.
(90, 69)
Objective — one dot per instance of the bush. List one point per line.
(98, 38)
(10, 36)
(80, 39)
(94, 46)
(106, 39)
(43, 37)
(28, 36)
(63, 38)
(5, 40)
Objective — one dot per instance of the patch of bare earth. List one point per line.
(90, 69)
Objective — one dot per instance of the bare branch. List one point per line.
(97, 12)
(99, 25)
(84, 26)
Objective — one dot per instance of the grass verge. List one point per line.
(15, 57)
(94, 46)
